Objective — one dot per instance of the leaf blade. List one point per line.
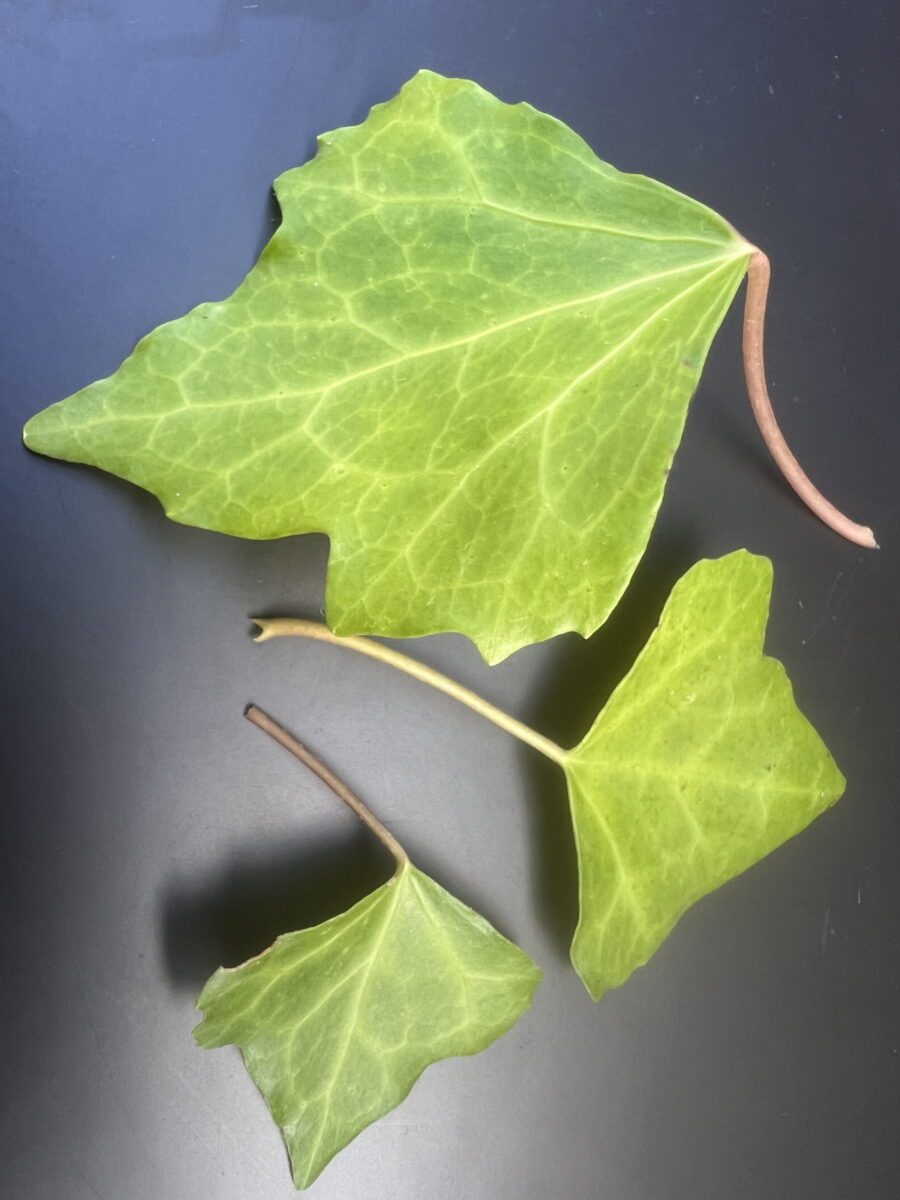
(447, 280)
(337, 1023)
(699, 765)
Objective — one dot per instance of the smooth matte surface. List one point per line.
(149, 833)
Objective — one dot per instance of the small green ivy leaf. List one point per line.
(466, 356)
(699, 765)
(336, 1023)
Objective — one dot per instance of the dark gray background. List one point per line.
(149, 833)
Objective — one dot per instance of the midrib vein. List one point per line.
(468, 339)
(325, 391)
(352, 1020)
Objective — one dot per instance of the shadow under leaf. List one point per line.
(239, 910)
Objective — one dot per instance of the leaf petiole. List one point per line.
(264, 722)
(758, 274)
(296, 627)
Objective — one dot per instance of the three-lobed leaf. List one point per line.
(466, 356)
(336, 1023)
(699, 765)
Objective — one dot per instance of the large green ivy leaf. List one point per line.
(699, 765)
(336, 1023)
(466, 356)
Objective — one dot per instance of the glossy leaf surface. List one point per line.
(466, 356)
(336, 1023)
(699, 765)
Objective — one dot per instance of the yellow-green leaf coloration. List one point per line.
(699, 765)
(466, 356)
(336, 1023)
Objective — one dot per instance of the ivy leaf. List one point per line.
(699, 765)
(336, 1023)
(466, 356)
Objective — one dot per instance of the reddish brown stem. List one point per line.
(758, 275)
(264, 722)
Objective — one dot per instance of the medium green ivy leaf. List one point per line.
(699, 765)
(466, 356)
(336, 1023)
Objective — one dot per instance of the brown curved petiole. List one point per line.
(264, 722)
(758, 275)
